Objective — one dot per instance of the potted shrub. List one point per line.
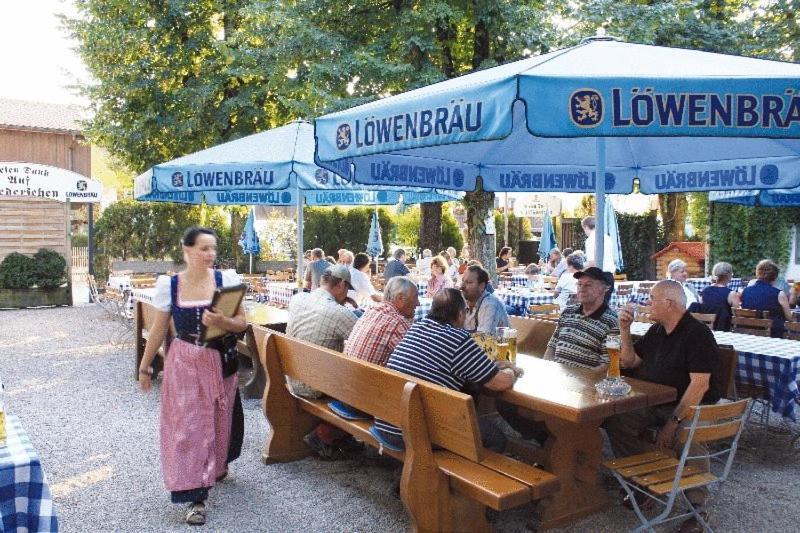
(34, 281)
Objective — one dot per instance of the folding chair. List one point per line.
(748, 313)
(662, 477)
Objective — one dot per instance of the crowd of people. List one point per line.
(201, 413)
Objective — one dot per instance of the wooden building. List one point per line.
(692, 253)
(48, 134)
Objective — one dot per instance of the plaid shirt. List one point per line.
(316, 317)
(376, 334)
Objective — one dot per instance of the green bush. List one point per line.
(79, 240)
(50, 269)
(17, 271)
(640, 236)
(519, 229)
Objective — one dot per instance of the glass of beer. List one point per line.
(613, 349)
(511, 336)
(501, 343)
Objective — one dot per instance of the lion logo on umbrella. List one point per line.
(586, 108)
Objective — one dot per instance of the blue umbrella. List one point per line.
(274, 167)
(249, 241)
(375, 243)
(612, 230)
(676, 120)
(548, 240)
(771, 198)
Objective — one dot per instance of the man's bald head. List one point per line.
(668, 301)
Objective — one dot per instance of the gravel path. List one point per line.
(97, 436)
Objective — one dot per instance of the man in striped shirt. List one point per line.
(438, 349)
(579, 338)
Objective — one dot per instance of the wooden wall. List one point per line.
(45, 148)
(693, 267)
(27, 224)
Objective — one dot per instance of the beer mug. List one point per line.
(511, 338)
(613, 349)
(501, 343)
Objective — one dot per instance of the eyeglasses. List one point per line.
(654, 300)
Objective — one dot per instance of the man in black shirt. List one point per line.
(678, 351)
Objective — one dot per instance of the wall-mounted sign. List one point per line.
(32, 180)
(534, 205)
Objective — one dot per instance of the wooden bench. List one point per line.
(533, 334)
(443, 489)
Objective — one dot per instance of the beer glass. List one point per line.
(613, 349)
(511, 336)
(501, 343)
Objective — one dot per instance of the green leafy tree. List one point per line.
(640, 236)
(407, 227)
(334, 228)
(519, 229)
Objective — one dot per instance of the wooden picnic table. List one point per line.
(567, 401)
(268, 316)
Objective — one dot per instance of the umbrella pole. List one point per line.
(299, 236)
(600, 203)
(251, 263)
(505, 214)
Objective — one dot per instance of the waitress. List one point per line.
(199, 393)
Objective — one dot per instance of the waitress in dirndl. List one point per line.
(199, 393)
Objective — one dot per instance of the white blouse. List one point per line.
(162, 299)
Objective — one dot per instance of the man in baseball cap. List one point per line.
(579, 339)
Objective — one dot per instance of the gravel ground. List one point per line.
(70, 380)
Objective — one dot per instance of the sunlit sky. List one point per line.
(38, 60)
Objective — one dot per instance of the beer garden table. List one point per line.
(25, 500)
(736, 284)
(573, 412)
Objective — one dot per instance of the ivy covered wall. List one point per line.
(743, 235)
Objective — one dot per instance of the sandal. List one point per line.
(196, 515)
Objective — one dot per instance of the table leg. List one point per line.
(574, 453)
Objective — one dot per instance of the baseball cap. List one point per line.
(596, 273)
(341, 272)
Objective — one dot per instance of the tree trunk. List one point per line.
(479, 206)
(237, 227)
(673, 209)
(430, 228)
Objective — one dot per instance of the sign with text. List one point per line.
(32, 180)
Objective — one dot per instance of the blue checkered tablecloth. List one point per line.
(422, 288)
(521, 300)
(736, 284)
(422, 309)
(764, 361)
(25, 500)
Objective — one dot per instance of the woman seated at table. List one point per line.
(502, 259)
(363, 291)
(718, 298)
(676, 270)
(439, 279)
(534, 275)
(762, 296)
(553, 259)
(567, 284)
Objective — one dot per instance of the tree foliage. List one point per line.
(743, 235)
(149, 230)
(519, 229)
(641, 236)
(331, 229)
(407, 229)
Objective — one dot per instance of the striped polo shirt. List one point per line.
(440, 353)
(579, 340)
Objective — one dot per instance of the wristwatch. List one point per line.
(675, 419)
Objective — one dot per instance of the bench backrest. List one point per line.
(451, 419)
(532, 334)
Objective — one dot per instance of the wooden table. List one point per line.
(260, 315)
(573, 411)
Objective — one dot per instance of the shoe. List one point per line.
(350, 447)
(196, 514)
(326, 452)
(692, 525)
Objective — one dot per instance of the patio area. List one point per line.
(97, 436)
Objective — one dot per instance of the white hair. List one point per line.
(396, 286)
(676, 264)
(427, 252)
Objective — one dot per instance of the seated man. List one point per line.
(678, 351)
(320, 317)
(396, 267)
(380, 330)
(438, 349)
(485, 311)
(579, 338)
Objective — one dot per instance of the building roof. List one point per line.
(694, 250)
(40, 116)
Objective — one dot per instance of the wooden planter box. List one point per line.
(22, 298)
